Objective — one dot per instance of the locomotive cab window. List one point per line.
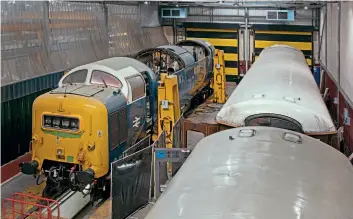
(100, 77)
(138, 86)
(76, 77)
(61, 123)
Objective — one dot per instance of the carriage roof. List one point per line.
(279, 82)
(259, 172)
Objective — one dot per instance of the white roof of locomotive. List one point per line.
(263, 176)
(120, 67)
(279, 82)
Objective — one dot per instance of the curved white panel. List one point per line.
(117, 66)
(279, 82)
(267, 176)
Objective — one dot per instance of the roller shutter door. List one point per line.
(223, 39)
(299, 40)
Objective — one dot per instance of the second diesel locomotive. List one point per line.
(98, 111)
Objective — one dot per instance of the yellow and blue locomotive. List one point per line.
(98, 111)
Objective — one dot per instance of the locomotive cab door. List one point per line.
(148, 99)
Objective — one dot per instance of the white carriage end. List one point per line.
(259, 172)
(279, 82)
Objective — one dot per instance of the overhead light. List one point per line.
(306, 7)
(146, 2)
(177, 5)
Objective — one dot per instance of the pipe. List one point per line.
(339, 59)
(322, 34)
(174, 32)
(246, 36)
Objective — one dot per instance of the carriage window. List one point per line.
(137, 84)
(274, 120)
(110, 80)
(76, 77)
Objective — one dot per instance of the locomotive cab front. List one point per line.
(70, 132)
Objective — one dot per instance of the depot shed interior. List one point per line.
(42, 40)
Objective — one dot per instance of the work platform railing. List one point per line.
(21, 206)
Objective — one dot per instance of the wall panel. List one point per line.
(347, 126)
(332, 39)
(38, 38)
(346, 49)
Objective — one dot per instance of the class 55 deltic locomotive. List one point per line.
(101, 109)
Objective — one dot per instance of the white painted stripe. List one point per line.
(17, 175)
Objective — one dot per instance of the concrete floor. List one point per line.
(20, 183)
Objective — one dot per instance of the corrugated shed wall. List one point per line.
(42, 39)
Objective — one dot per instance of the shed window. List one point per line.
(76, 77)
(110, 80)
(138, 86)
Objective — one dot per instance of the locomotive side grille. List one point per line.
(114, 130)
(123, 132)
